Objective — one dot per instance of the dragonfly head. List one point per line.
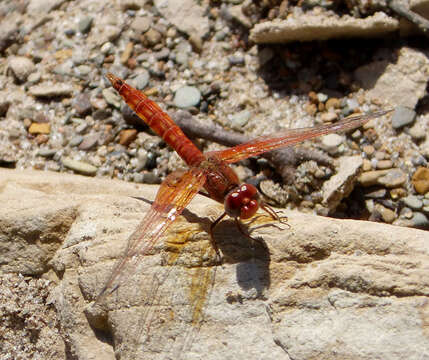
(242, 202)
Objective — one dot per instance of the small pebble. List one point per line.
(21, 67)
(380, 155)
(417, 132)
(89, 141)
(368, 150)
(163, 54)
(370, 178)
(387, 215)
(329, 116)
(412, 202)
(83, 70)
(239, 119)
(333, 103)
(81, 127)
(79, 166)
(112, 98)
(49, 90)
(322, 97)
(311, 109)
(141, 80)
(138, 177)
(402, 116)
(384, 164)
(141, 24)
(187, 96)
(106, 48)
(398, 193)
(236, 60)
(82, 104)
(127, 136)
(152, 37)
(39, 128)
(366, 165)
(332, 141)
(76, 140)
(127, 53)
(47, 153)
(394, 178)
(151, 178)
(352, 104)
(182, 58)
(84, 24)
(419, 220)
(376, 194)
(420, 180)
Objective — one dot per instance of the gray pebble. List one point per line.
(236, 60)
(352, 104)
(187, 96)
(111, 98)
(221, 35)
(402, 116)
(81, 127)
(420, 221)
(141, 80)
(34, 77)
(83, 70)
(81, 104)
(49, 90)
(151, 178)
(79, 166)
(181, 58)
(162, 54)
(394, 178)
(84, 24)
(63, 69)
(89, 141)
(412, 202)
(376, 194)
(76, 140)
(138, 177)
(47, 153)
(238, 120)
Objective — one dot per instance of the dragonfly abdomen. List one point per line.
(158, 120)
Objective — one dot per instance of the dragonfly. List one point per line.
(210, 171)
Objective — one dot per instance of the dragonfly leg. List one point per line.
(275, 214)
(243, 232)
(212, 239)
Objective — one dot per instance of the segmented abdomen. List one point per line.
(158, 121)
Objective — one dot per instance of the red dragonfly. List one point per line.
(210, 171)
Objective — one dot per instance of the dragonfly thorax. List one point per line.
(242, 202)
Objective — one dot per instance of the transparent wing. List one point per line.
(289, 137)
(174, 195)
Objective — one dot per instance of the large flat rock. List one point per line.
(321, 289)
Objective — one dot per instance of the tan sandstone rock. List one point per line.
(323, 288)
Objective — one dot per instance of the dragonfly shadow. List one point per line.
(251, 254)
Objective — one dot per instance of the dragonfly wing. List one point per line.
(289, 137)
(175, 193)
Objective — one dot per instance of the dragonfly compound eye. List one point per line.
(242, 201)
